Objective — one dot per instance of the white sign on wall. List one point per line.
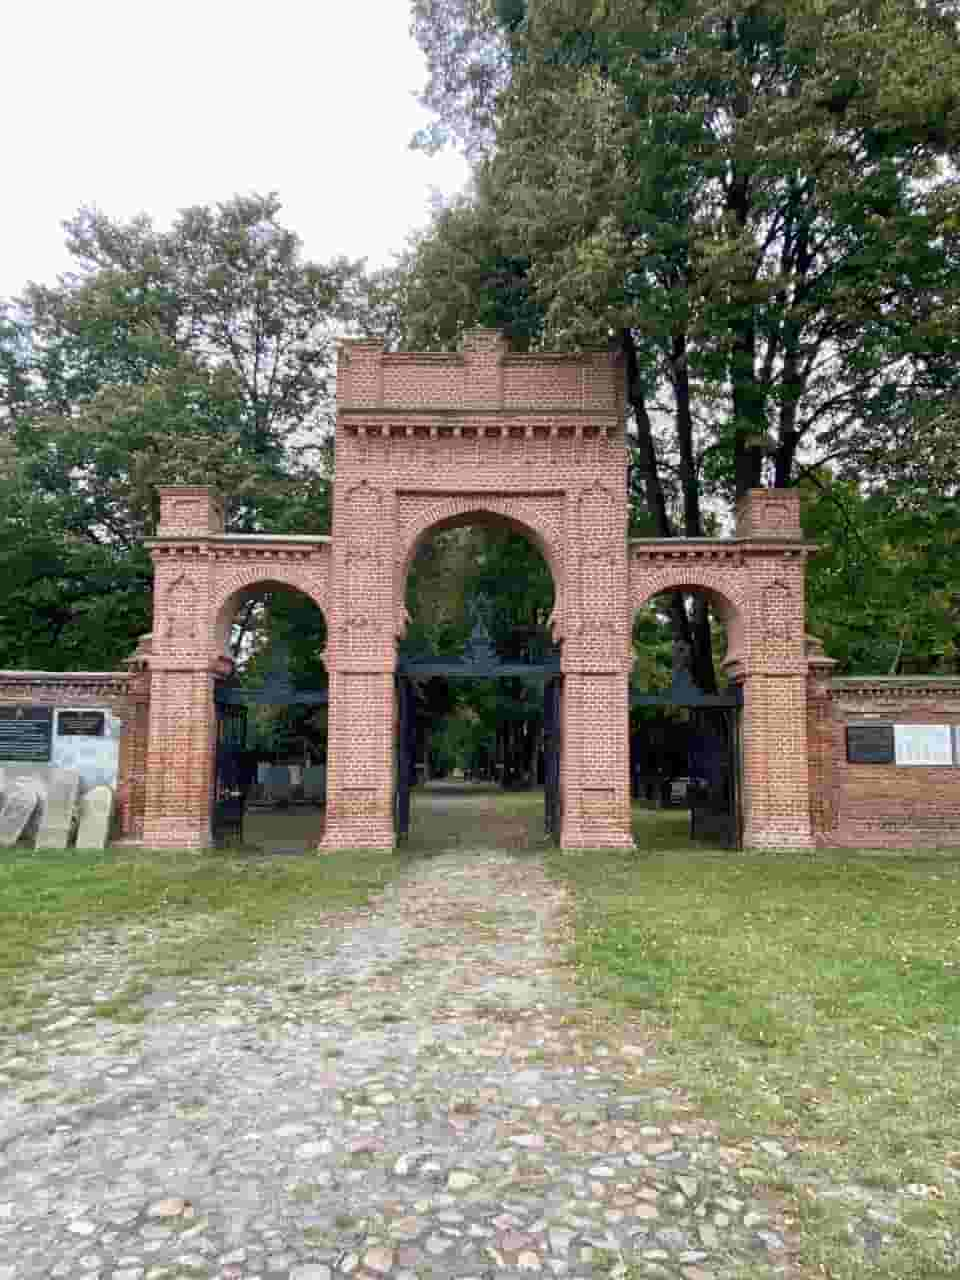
(930, 744)
(88, 740)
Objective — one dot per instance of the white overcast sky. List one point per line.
(138, 106)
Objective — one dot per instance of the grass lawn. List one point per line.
(49, 898)
(813, 998)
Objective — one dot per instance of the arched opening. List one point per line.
(478, 683)
(685, 719)
(271, 740)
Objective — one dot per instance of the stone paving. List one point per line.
(409, 1091)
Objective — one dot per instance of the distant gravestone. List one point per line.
(315, 784)
(96, 813)
(60, 809)
(278, 784)
(19, 804)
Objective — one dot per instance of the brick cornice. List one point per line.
(393, 420)
(100, 683)
(902, 687)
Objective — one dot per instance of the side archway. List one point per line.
(727, 598)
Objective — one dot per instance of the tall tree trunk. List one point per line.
(695, 633)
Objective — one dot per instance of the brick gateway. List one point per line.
(429, 441)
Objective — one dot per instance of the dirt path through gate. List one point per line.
(412, 1090)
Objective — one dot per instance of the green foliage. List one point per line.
(201, 354)
(758, 203)
(884, 590)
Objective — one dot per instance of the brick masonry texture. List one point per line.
(534, 443)
(883, 806)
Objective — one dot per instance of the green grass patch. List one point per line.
(811, 996)
(49, 898)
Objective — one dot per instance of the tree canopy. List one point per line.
(199, 354)
(757, 202)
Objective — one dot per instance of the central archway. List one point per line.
(478, 683)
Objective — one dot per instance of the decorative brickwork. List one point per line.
(755, 581)
(426, 442)
(201, 575)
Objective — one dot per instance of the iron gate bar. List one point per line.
(266, 695)
(229, 790)
(684, 693)
(406, 753)
(552, 725)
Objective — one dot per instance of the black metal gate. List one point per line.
(713, 755)
(406, 753)
(230, 784)
(551, 757)
(712, 768)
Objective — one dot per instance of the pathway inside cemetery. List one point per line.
(409, 1090)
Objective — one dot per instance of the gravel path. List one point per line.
(412, 1090)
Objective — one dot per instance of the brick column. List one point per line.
(360, 761)
(360, 660)
(773, 672)
(183, 669)
(776, 778)
(179, 792)
(595, 762)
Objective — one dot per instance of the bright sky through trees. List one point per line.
(150, 107)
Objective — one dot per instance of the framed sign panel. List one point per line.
(923, 744)
(870, 743)
(25, 734)
(87, 724)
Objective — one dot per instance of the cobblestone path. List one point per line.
(408, 1091)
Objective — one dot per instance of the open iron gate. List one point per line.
(406, 753)
(713, 757)
(480, 661)
(552, 694)
(712, 767)
(230, 785)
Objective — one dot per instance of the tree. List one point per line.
(201, 354)
(756, 201)
(884, 589)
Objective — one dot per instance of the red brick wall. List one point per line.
(884, 806)
(123, 693)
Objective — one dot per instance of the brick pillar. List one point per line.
(360, 761)
(595, 762)
(360, 660)
(184, 666)
(773, 673)
(776, 780)
(179, 793)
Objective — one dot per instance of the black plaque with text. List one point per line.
(25, 734)
(89, 724)
(870, 744)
